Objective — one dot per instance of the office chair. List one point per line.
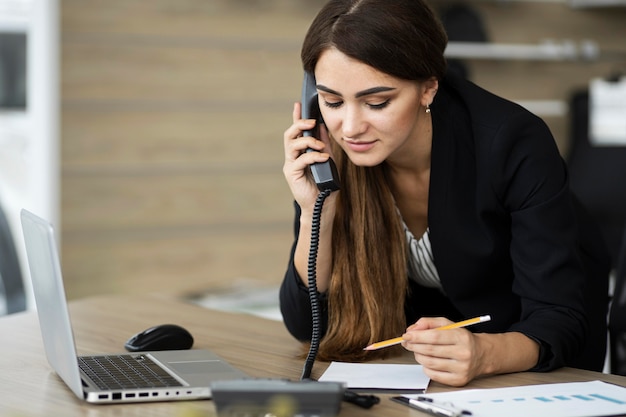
(617, 315)
(596, 176)
(10, 272)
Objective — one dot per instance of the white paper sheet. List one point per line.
(378, 376)
(572, 399)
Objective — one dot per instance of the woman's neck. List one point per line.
(413, 158)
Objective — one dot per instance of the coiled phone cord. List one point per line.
(312, 278)
(361, 400)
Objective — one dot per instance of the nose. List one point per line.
(353, 123)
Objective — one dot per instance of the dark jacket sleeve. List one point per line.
(505, 231)
(550, 275)
(295, 303)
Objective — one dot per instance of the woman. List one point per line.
(454, 203)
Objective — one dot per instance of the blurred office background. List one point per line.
(150, 132)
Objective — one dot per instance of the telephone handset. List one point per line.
(324, 173)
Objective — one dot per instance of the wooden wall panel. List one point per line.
(173, 200)
(172, 121)
(184, 261)
(207, 139)
(137, 72)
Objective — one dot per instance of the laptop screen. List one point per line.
(47, 281)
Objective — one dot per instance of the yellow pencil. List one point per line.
(397, 340)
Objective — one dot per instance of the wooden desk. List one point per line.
(259, 347)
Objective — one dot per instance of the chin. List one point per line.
(363, 160)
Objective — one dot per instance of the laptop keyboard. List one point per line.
(125, 371)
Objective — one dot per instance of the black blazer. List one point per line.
(507, 237)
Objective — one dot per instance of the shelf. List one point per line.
(596, 3)
(575, 4)
(544, 51)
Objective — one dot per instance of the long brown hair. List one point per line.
(368, 286)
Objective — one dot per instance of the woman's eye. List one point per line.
(378, 106)
(373, 106)
(333, 104)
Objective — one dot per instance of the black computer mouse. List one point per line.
(160, 337)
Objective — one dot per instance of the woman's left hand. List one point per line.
(453, 357)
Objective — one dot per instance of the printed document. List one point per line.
(571, 399)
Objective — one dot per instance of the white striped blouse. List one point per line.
(421, 266)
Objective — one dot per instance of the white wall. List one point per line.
(29, 140)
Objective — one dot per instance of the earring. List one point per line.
(428, 108)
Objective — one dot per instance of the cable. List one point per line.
(363, 401)
(312, 277)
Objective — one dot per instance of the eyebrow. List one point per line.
(373, 90)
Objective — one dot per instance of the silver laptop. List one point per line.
(160, 376)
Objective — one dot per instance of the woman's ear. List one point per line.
(429, 91)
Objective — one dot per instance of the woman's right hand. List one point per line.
(305, 192)
(297, 161)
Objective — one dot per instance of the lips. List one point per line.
(359, 146)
